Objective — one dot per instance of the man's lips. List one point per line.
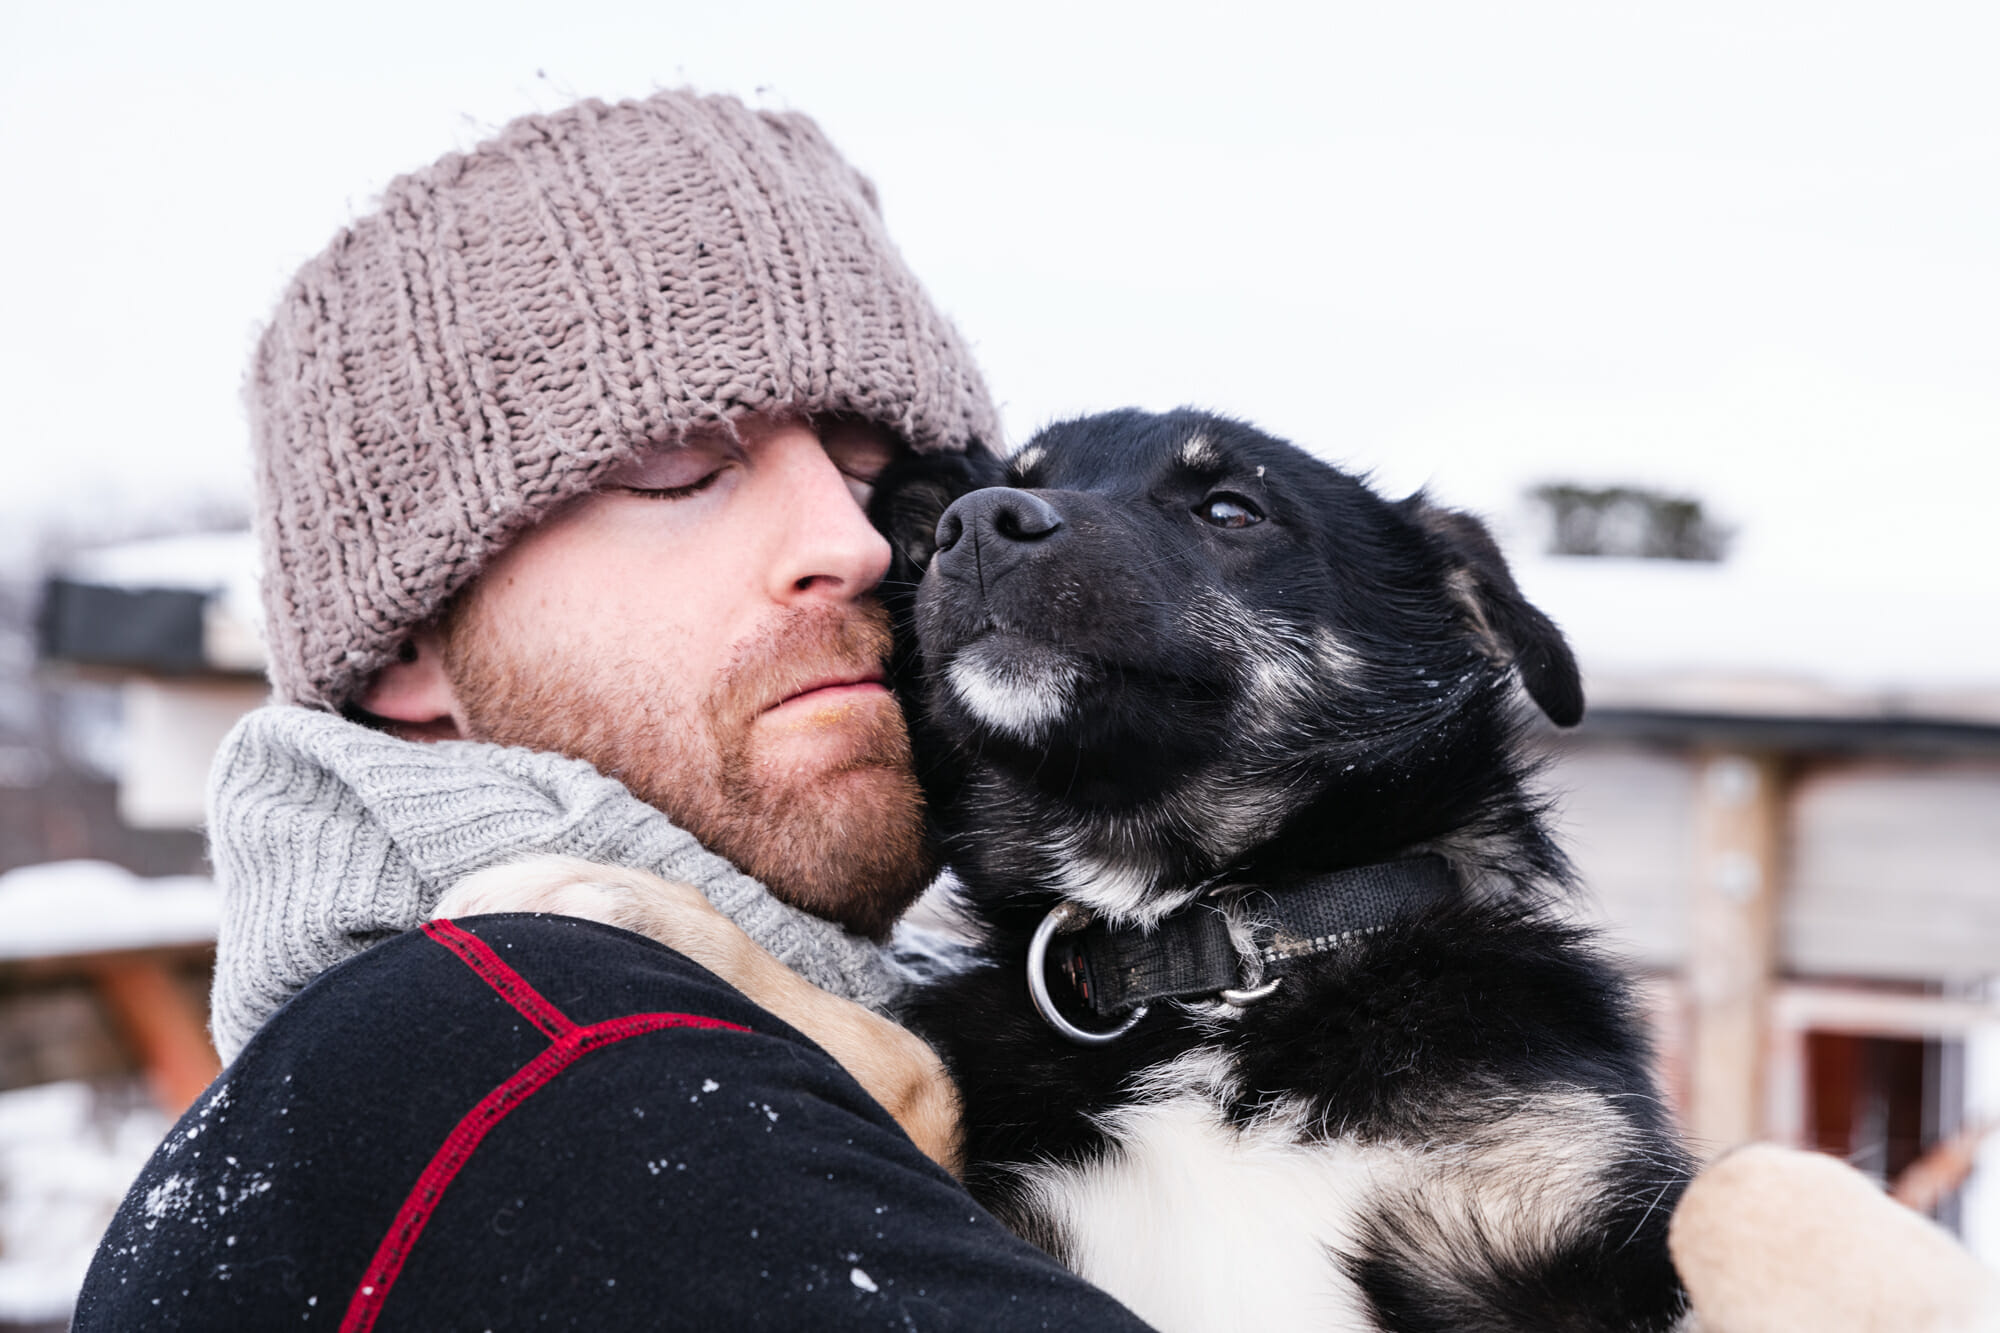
(836, 686)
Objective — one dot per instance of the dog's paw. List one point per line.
(675, 914)
(1772, 1240)
(556, 885)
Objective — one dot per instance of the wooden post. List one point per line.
(1740, 818)
(162, 1027)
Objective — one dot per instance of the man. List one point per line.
(561, 457)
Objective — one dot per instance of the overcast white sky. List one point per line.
(1750, 250)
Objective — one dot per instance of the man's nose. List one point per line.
(828, 548)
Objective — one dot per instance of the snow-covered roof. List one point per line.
(1693, 636)
(1661, 633)
(197, 561)
(218, 567)
(77, 907)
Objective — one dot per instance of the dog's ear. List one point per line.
(1512, 629)
(911, 496)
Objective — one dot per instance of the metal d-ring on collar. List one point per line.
(1066, 919)
(1242, 999)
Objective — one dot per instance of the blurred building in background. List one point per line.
(1785, 805)
(121, 670)
(1809, 879)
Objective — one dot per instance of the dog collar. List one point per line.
(1115, 972)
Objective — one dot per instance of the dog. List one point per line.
(1275, 1020)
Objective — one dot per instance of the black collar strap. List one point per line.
(1191, 954)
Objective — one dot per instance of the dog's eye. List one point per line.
(1228, 510)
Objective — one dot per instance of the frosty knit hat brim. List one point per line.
(514, 321)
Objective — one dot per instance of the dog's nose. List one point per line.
(998, 511)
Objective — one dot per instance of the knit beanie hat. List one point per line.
(513, 322)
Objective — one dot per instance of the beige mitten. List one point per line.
(1772, 1240)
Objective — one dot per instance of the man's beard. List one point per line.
(844, 840)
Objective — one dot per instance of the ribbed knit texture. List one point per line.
(516, 320)
(328, 837)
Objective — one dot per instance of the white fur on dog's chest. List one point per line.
(1197, 1225)
(1204, 1227)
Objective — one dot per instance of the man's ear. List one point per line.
(412, 696)
(1512, 629)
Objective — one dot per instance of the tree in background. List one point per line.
(1629, 521)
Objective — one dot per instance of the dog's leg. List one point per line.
(896, 1067)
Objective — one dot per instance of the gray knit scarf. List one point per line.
(328, 837)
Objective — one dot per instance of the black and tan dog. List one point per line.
(1276, 1023)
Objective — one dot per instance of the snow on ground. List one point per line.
(68, 1150)
(70, 907)
(67, 1153)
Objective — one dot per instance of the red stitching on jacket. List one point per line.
(573, 1043)
(478, 955)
